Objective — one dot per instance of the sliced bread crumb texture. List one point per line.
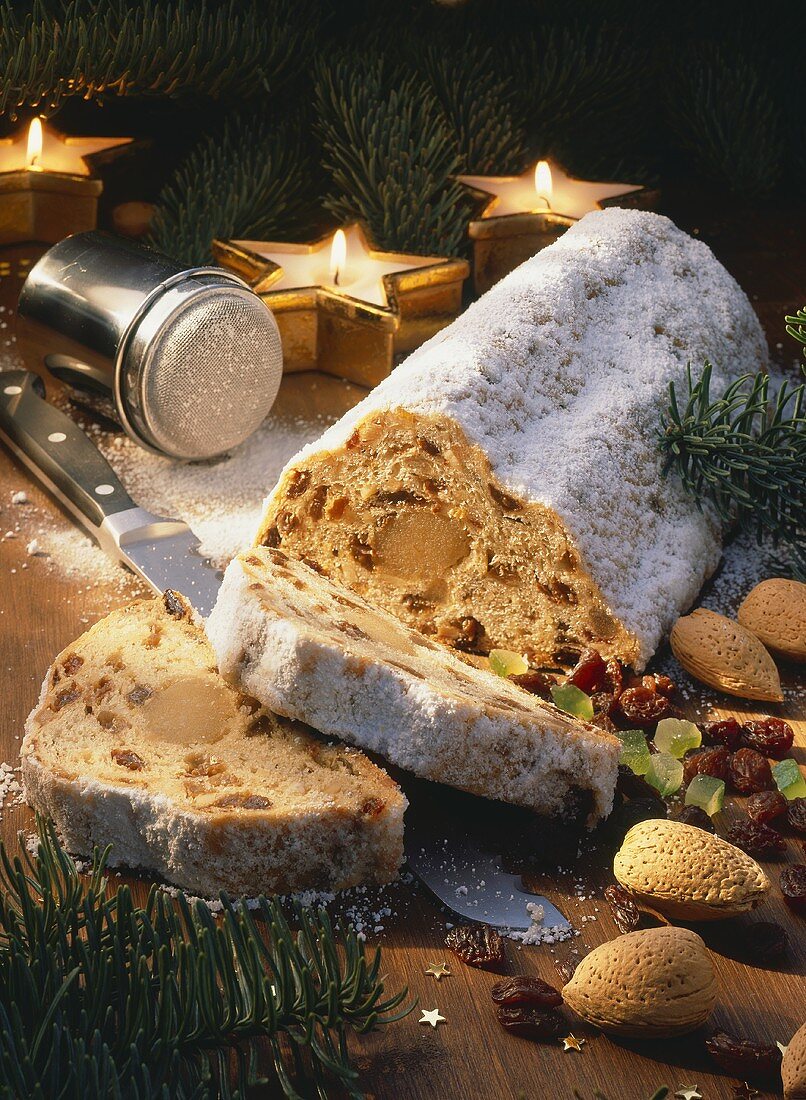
(312, 650)
(138, 742)
(504, 486)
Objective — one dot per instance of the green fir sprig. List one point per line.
(102, 998)
(745, 451)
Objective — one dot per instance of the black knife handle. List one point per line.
(57, 452)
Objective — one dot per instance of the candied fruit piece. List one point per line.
(749, 771)
(789, 779)
(676, 736)
(665, 774)
(766, 806)
(769, 736)
(521, 989)
(711, 761)
(505, 662)
(706, 793)
(635, 751)
(477, 945)
(573, 701)
(727, 732)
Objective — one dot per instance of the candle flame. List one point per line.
(543, 183)
(34, 142)
(338, 256)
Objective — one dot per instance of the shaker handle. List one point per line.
(57, 452)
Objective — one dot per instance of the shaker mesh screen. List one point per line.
(212, 374)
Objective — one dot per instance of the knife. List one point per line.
(472, 883)
(163, 552)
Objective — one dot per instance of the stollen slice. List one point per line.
(136, 741)
(312, 650)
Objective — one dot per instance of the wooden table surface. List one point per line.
(468, 1056)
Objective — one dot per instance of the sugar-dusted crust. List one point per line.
(529, 428)
(137, 742)
(310, 649)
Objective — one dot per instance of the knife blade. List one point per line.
(163, 552)
(472, 883)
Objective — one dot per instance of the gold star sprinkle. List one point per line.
(570, 1042)
(688, 1092)
(439, 970)
(745, 1091)
(431, 1017)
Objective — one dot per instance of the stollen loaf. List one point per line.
(504, 486)
(137, 742)
(310, 649)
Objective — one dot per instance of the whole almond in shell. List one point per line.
(721, 653)
(775, 611)
(688, 874)
(793, 1066)
(651, 984)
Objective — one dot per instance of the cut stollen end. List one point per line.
(312, 650)
(136, 741)
(504, 487)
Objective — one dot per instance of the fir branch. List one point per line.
(245, 181)
(51, 50)
(723, 113)
(746, 452)
(102, 998)
(391, 159)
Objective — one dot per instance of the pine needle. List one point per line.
(100, 997)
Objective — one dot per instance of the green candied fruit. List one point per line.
(634, 751)
(706, 792)
(676, 736)
(504, 662)
(572, 701)
(789, 778)
(665, 773)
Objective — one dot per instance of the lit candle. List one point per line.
(528, 212)
(344, 307)
(46, 189)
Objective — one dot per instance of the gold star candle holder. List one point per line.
(529, 212)
(344, 307)
(46, 190)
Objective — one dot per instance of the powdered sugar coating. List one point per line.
(560, 373)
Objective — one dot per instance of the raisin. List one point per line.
(66, 695)
(127, 758)
(712, 761)
(477, 945)
(614, 678)
(174, 604)
(749, 772)
(138, 695)
(428, 446)
(796, 815)
(793, 886)
(72, 663)
(589, 673)
(769, 736)
(630, 785)
(506, 502)
(626, 913)
(536, 683)
(604, 722)
(524, 990)
(764, 941)
(242, 800)
(727, 732)
(470, 631)
(663, 685)
(696, 816)
(316, 505)
(286, 522)
(372, 807)
(362, 552)
(530, 1022)
(298, 482)
(637, 809)
(743, 1057)
(766, 806)
(641, 707)
(759, 841)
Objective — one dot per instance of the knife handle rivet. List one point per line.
(104, 490)
(57, 437)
